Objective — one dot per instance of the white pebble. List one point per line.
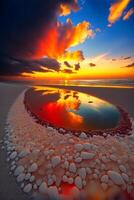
(27, 188)
(82, 173)
(78, 182)
(43, 188)
(86, 155)
(33, 167)
(122, 168)
(18, 170)
(116, 177)
(21, 177)
(78, 147)
(72, 168)
(13, 155)
(55, 160)
(104, 179)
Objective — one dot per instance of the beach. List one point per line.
(9, 92)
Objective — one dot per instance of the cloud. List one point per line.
(130, 65)
(68, 71)
(67, 64)
(77, 66)
(65, 9)
(126, 58)
(32, 30)
(116, 10)
(92, 64)
(12, 66)
(72, 56)
(128, 14)
(113, 59)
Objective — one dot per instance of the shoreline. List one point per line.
(9, 93)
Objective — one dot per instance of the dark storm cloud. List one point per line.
(22, 25)
(67, 64)
(92, 64)
(11, 66)
(130, 65)
(77, 66)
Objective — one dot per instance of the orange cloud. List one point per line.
(116, 10)
(65, 9)
(128, 14)
(60, 37)
(72, 56)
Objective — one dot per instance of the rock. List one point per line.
(70, 180)
(116, 177)
(88, 170)
(33, 167)
(86, 156)
(43, 188)
(65, 179)
(87, 146)
(104, 179)
(125, 177)
(13, 155)
(83, 135)
(72, 168)
(35, 187)
(55, 161)
(122, 168)
(78, 182)
(27, 188)
(32, 178)
(23, 154)
(78, 160)
(21, 177)
(78, 147)
(66, 164)
(53, 193)
(18, 170)
(82, 173)
(27, 177)
(113, 158)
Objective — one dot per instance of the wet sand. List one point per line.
(9, 92)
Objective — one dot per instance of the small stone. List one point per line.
(32, 178)
(87, 156)
(87, 146)
(116, 177)
(13, 155)
(66, 164)
(72, 168)
(70, 180)
(104, 179)
(43, 188)
(125, 177)
(35, 187)
(53, 192)
(71, 141)
(83, 135)
(23, 154)
(27, 188)
(55, 161)
(78, 160)
(78, 147)
(64, 178)
(21, 177)
(82, 173)
(122, 168)
(78, 182)
(88, 170)
(113, 158)
(27, 177)
(33, 167)
(18, 170)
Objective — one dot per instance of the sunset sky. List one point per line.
(66, 39)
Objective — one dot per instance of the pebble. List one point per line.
(86, 156)
(70, 180)
(19, 170)
(32, 178)
(78, 182)
(53, 192)
(27, 188)
(82, 173)
(64, 178)
(116, 177)
(104, 179)
(55, 161)
(20, 178)
(122, 168)
(72, 168)
(125, 177)
(33, 167)
(87, 146)
(78, 147)
(23, 154)
(78, 160)
(83, 135)
(35, 187)
(43, 188)
(113, 158)
(13, 155)
(27, 177)
(66, 164)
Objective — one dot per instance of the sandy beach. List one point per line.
(9, 92)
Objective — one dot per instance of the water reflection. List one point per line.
(70, 109)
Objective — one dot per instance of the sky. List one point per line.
(66, 39)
